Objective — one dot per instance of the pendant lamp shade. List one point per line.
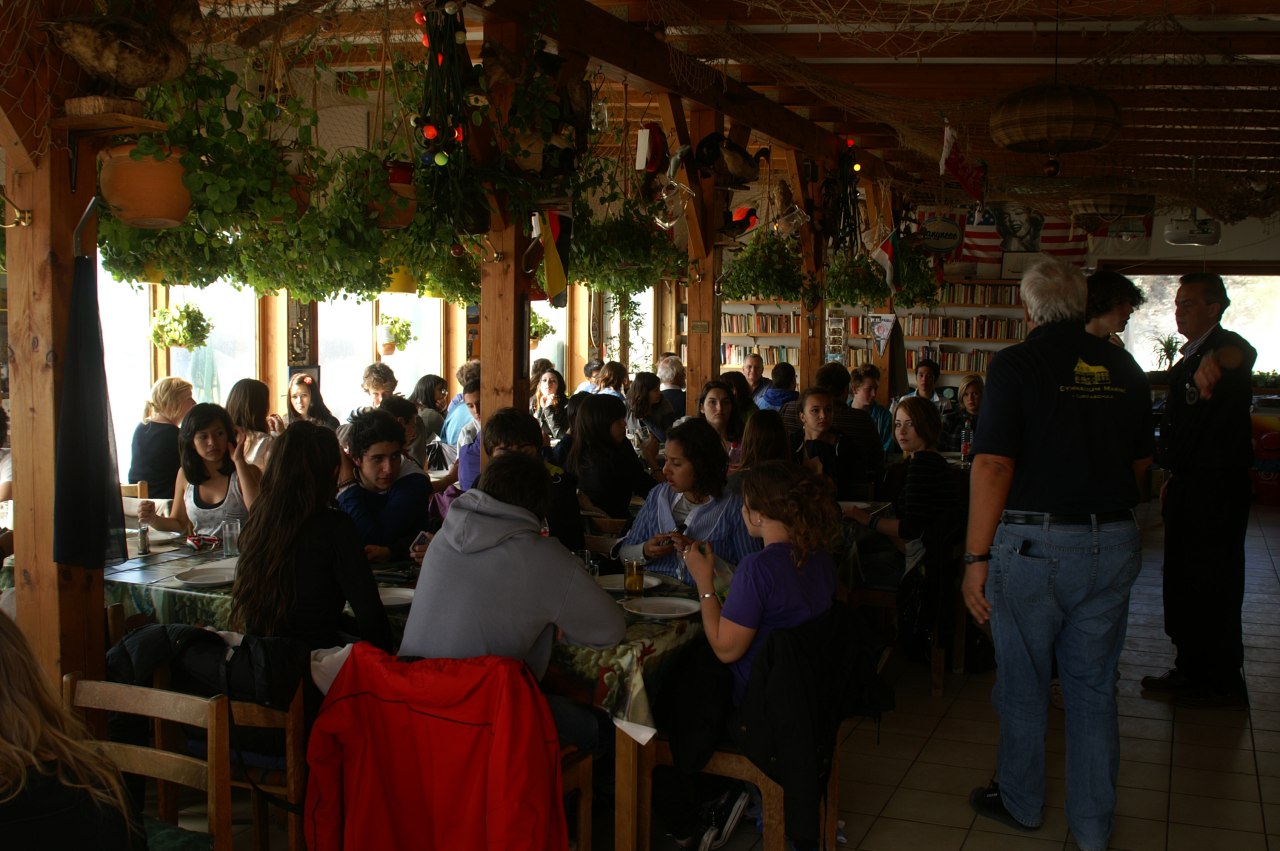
(1054, 118)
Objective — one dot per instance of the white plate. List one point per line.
(207, 577)
(662, 608)
(155, 536)
(396, 598)
(613, 582)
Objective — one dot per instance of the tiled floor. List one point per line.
(1190, 780)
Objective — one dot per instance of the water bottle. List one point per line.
(966, 440)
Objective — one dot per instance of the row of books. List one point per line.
(966, 327)
(976, 360)
(1004, 295)
(760, 323)
(731, 354)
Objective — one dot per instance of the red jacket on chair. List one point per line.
(434, 754)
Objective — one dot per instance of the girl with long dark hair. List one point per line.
(608, 470)
(306, 403)
(548, 404)
(648, 411)
(249, 405)
(216, 482)
(301, 560)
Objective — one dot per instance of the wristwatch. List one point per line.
(972, 558)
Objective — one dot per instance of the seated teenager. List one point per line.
(865, 381)
(57, 790)
(492, 584)
(306, 403)
(648, 411)
(856, 425)
(377, 380)
(823, 449)
(154, 458)
(216, 482)
(591, 371)
(249, 406)
(469, 441)
(927, 505)
(964, 417)
(389, 511)
(512, 430)
(691, 505)
(458, 416)
(548, 404)
(781, 390)
(406, 413)
(608, 470)
(716, 405)
(613, 380)
(764, 439)
(788, 583)
(301, 560)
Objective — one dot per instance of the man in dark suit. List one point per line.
(1206, 449)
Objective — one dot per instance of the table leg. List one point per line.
(626, 776)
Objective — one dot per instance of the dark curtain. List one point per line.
(88, 518)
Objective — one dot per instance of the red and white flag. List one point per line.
(884, 256)
(972, 177)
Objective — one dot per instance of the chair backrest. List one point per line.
(210, 714)
(138, 490)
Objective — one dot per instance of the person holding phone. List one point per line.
(216, 482)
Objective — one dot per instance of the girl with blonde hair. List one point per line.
(154, 457)
(56, 789)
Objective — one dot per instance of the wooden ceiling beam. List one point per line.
(630, 52)
(979, 81)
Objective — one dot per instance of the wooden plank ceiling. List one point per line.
(1197, 81)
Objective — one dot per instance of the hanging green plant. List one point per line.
(770, 267)
(855, 279)
(623, 252)
(539, 327)
(184, 327)
(181, 255)
(394, 333)
(918, 285)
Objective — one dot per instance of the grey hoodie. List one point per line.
(492, 584)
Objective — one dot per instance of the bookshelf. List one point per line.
(973, 320)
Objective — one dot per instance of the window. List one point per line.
(422, 356)
(1255, 302)
(126, 346)
(232, 351)
(345, 339)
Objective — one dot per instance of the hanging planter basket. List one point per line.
(399, 211)
(1054, 119)
(146, 192)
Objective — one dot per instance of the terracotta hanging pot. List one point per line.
(386, 345)
(404, 202)
(144, 193)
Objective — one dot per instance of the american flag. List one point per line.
(982, 241)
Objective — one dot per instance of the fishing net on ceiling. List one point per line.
(1210, 175)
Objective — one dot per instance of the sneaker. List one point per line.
(986, 801)
(1171, 680)
(725, 814)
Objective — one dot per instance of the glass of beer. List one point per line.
(633, 577)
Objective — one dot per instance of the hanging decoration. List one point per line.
(972, 177)
(840, 201)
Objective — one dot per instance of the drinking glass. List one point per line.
(633, 577)
(230, 538)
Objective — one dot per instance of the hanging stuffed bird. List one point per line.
(128, 54)
(739, 222)
(717, 154)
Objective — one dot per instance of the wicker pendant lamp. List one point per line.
(1054, 118)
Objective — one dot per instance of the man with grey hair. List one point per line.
(1206, 448)
(1052, 548)
(671, 374)
(753, 369)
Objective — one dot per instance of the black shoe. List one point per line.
(1208, 699)
(986, 801)
(725, 813)
(1172, 680)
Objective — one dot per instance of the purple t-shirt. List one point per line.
(769, 592)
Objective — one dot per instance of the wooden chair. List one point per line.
(137, 490)
(730, 763)
(575, 774)
(213, 775)
(115, 623)
(289, 783)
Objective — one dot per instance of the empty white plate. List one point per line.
(207, 577)
(662, 608)
(396, 598)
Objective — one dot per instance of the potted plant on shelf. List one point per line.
(1166, 348)
(184, 327)
(394, 334)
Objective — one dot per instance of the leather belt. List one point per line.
(1028, 519)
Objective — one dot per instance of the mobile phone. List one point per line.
(421, 541)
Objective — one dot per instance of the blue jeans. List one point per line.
(1061, 591)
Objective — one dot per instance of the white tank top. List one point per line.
(205, 521)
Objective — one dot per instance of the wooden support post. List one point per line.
(812, 330)
(578, 348)
(60, 607)
(157, 297)
(504, 323)
(455, 342)
(665, 303)
(273, 349)
(880, 223)
(703, 362)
